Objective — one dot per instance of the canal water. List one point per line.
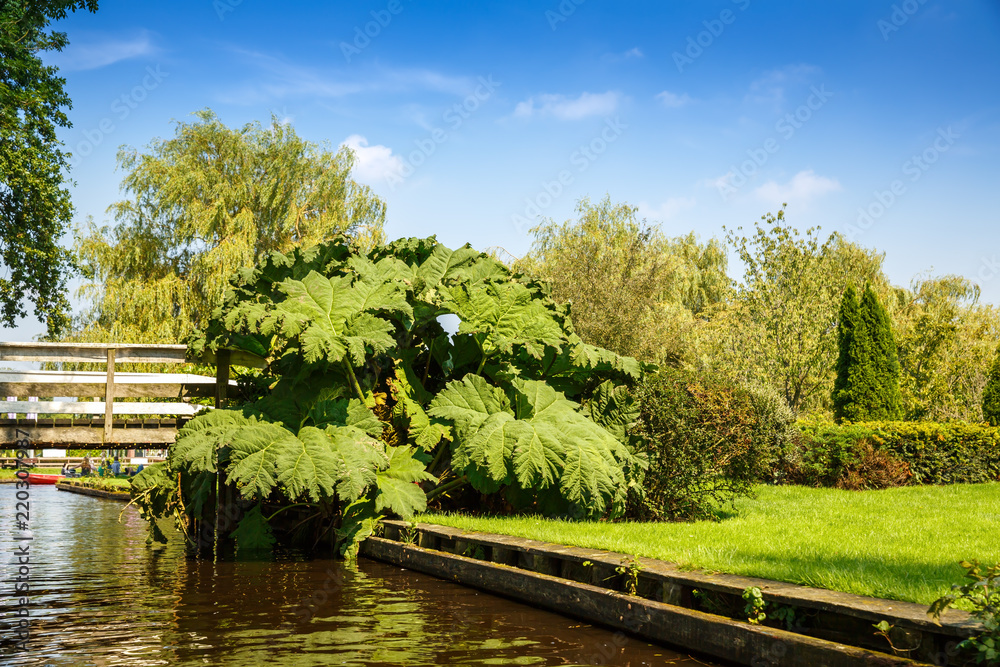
(100, 596)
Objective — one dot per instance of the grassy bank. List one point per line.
(10, 473)
(901, 544)
(117, 484)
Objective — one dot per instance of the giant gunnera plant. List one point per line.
(368, 407)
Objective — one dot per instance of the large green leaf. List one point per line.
(254, 457)
(614, 408)
(358, 459)
(398, 489)
(505, 314)
(253, 533)
(307, 465)
(539, 440)
(358, 522)
(196, 448)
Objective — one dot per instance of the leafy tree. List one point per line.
(946, 342)
(780, 328)
(991, 395)
(367, 403)
(633, 290)
(35, 206)
(204, 204)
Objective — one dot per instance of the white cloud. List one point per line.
(804, 186)
(564, 108)
(667, 209)
(673, 100)
(277, 78)
(633, 53)
(770, 88)
(373, 164)
(100, 51)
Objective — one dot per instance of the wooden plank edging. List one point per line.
(97, 493)
(692, 630)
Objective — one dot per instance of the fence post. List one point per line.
(221, 377)
(109, 396)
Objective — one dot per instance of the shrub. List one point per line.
(706, 441)
(871, 454)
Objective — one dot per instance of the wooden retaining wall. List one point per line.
(586, 583)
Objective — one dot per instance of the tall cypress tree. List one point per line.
(847, 329)
(991, 395)
(867, 384)
(886, 400)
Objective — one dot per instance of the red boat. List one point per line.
(37, 478)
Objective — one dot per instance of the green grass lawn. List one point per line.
(10, 474)
(901, 544)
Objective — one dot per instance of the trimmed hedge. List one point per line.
(869, 454)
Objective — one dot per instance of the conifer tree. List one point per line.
(867, 384)
(991, 395)
(847, 359)
(885, 402)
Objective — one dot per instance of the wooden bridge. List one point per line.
(111, 423)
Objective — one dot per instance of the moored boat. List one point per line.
(38, 478)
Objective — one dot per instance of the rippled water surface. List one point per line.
(100, 596)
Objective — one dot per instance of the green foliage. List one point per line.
(369, 408)
(629, 569)
(867, 384)
(633, 289)
(991, 395)
(983, 595)
(872, 454)
(780, 328)
(755, 604)
(203, 205)
(35, 207)
(534, 439)
(707, 442)
(946, 342)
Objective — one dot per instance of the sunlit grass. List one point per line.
(11, 473)
(901, 544)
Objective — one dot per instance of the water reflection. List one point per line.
(100, 596)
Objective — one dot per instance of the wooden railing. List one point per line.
(111, 385)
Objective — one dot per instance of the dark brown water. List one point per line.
(100, 596)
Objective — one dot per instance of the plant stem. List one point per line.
(437, 457)
(287, 507)
(354, 381)
(444, 488)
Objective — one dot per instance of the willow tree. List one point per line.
(35, 206)
(633, 289)
(202, 205)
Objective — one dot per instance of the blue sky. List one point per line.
(472, 119)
